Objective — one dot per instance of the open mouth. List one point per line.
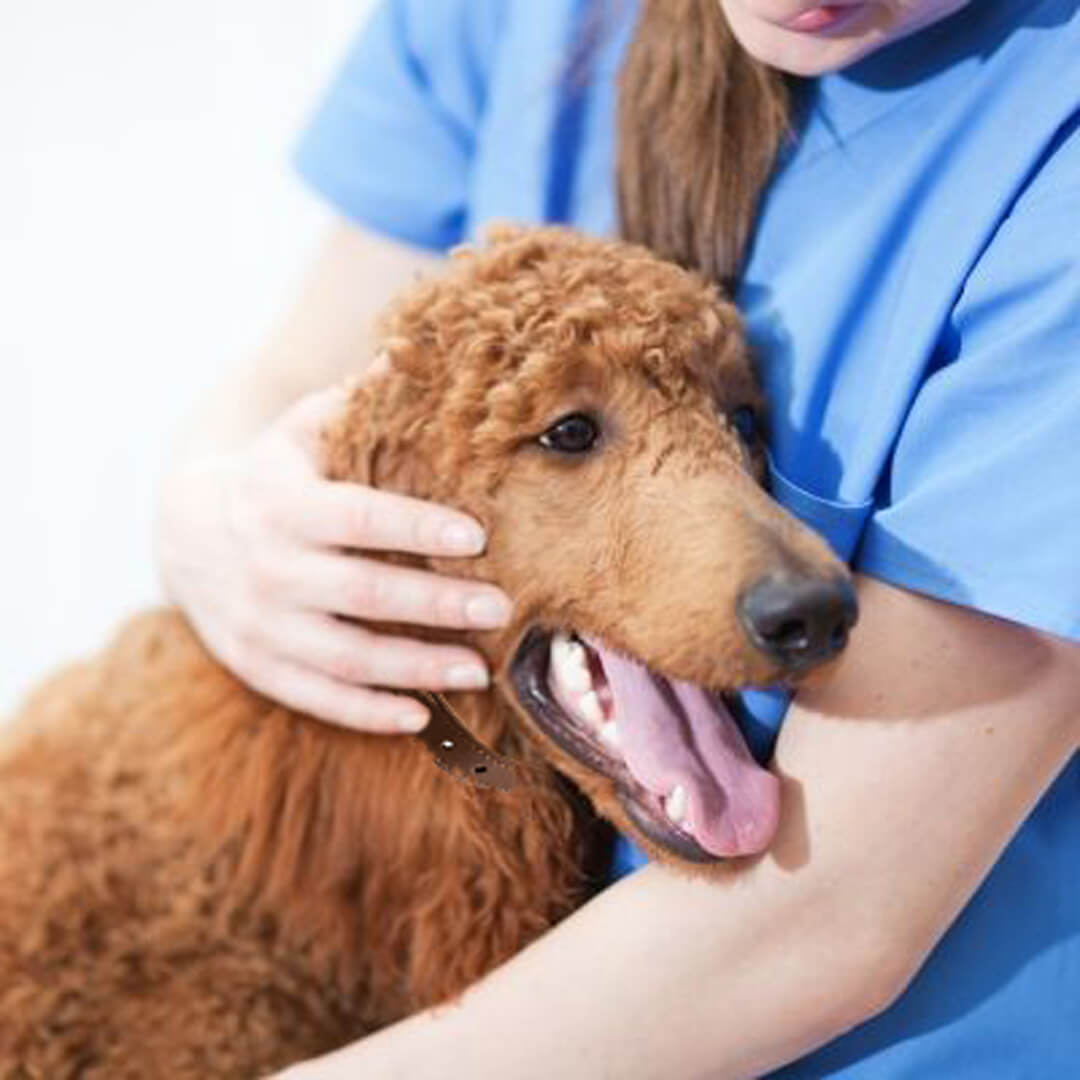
(681, 767)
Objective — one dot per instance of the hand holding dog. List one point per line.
(251, 544)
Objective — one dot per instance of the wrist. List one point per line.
(183, 491)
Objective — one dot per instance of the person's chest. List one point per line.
(904, 172)
(904, 169)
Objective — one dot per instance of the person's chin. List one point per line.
(807, 54)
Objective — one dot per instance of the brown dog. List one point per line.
(195, 882)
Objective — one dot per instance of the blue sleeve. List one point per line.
(984, 502)
(391, 142)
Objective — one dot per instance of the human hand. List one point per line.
(250, 547)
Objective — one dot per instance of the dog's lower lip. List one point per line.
(655, 825)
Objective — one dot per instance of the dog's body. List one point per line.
(195, 882)
(186, 886)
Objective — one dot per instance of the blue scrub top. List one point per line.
(913, 292)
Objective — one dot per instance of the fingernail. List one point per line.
(487, 611)
(413, 720)
(464, 538)
(466, 677)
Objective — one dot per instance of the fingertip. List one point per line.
(392, 716)
(488, 610)
(466, 676)
(463, 537)
(412, 720)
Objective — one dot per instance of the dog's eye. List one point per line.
(573, 434)
(744, 420)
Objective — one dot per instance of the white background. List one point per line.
(149, 230)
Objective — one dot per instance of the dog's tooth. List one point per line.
(560, 643)
(609, 732)
(567, 645)
(575, 652)
(576, 677)
(675, 805)
(570, 664)
(560, 653)
(591, 709)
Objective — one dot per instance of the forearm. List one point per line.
(678, 978)
(657, 977)
(904, 777)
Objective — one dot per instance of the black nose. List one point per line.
(799, 621)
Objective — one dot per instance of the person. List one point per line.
(912, 289)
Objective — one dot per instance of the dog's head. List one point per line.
(595, 408)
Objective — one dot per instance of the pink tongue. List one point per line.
(676, 733)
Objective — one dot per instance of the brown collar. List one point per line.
(457, 752)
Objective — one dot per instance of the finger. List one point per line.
(348, 515)
(336, 702)
(358, 657)
(308, 691)
(368, 589)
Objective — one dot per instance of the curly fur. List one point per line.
(196, 882)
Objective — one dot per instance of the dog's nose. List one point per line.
(799, 621)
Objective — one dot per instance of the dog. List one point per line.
(198, 882)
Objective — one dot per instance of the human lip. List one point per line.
(821, 19)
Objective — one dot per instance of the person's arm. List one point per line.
(905, 775)
(250, 536)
